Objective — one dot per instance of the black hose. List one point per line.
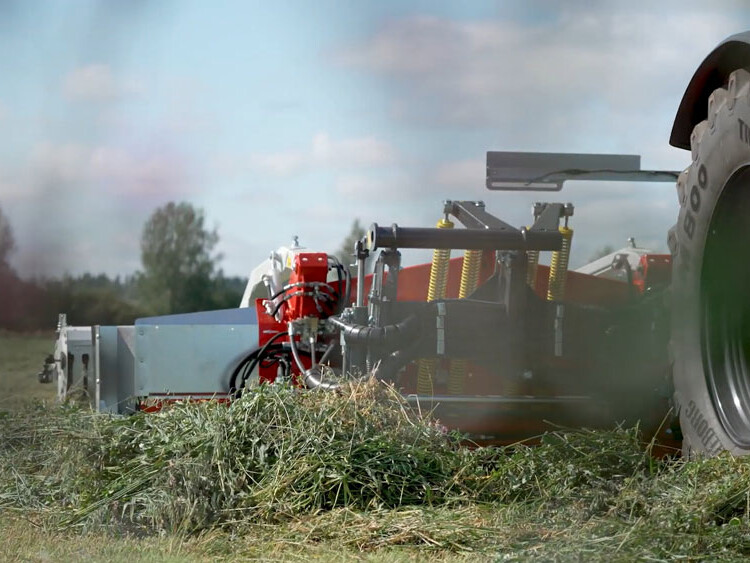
(344, 298)
(313, 294)
(252, 359)
(398, 333)
(388, 368)
(289, 286)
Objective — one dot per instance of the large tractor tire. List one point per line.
(710, 345)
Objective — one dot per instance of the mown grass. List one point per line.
(21, 358)
(287, 475)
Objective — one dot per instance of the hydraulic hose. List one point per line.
(252, 359)
(312, 378)
(405, 330)
(388, 367)
(345, 276)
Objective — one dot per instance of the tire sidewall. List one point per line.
(720, 153)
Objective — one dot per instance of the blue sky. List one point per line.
(294, 118)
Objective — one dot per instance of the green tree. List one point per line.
(177, 253)
(7, 242)
(345, 253)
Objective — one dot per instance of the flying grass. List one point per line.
(360, 469)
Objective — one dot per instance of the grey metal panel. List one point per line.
(108, 398)
(189, 359)
(126, 369)
(78, 350)
(236, 316)
(532, 171)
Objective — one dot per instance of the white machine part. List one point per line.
(69, 366)
(270, 275)
(616, 264)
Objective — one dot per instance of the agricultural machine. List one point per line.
(487, 337)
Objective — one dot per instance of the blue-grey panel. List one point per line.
(193, 358)
(108, 374)
(126, 369)
(237, 316)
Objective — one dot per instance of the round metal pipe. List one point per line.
(360, 302)
(468, 239)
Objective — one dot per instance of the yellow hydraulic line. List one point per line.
(469, 282)
(558, 269)
(438, 283)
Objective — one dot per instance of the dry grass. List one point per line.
(282, 475)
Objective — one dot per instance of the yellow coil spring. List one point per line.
(469, 282)
(558, 269)
(438, 283)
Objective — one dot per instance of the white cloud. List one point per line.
(284, 163)
(117, 170)
(388, 189)
(361, 151)
(583, 79)
(97, 83)
(465, 174)
(323, 152)
(550, 76)
(357, 186)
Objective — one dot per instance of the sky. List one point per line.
(293, 118)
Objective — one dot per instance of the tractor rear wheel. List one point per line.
(710, 244)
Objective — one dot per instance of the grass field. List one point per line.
(21, 358)
(289, 476)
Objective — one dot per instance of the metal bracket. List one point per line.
(532, 171)
(472, 215)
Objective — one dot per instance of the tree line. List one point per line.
(179, 274)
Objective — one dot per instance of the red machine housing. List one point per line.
(307, 294)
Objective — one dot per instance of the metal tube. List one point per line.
(360, 282)
(388, 335)
(327, 352)
(295, 352)
(312, 351)
(468, 239)
(495, 399)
